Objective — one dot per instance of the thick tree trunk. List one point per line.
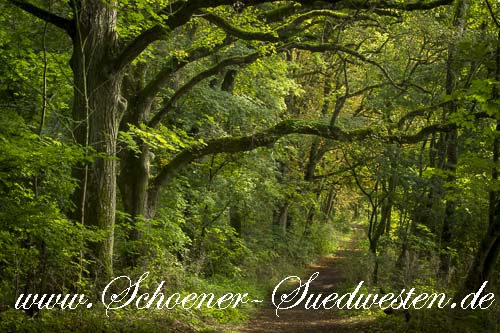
(97, 110)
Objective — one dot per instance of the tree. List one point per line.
(103, 50)
(489, 247)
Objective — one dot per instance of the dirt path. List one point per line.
(299, 319)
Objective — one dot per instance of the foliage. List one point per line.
(108, 112)
(41, 246)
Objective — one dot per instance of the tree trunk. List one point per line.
(484, 260)
(235, 219)
(451, 139)
(281, 219)
(328, 202)
(133, 183)
(489, 248)
(133, 180)
(97, 109)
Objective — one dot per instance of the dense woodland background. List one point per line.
(221, 145)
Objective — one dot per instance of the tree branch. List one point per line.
(339, 48)
(422, 134)
(161, 114)
(334, 173)
(417, 5)
(332, 14)
(281, 32)
(46, 16)
(237, 32)
(181, 12)
(173, 64)
(378, 7)
(365, 89)
(268, 137)
(419, 112)
(389, 4)
(139, 44)
(490, 9)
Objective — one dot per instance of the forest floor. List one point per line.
(331, 278)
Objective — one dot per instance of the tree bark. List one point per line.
(97, 109)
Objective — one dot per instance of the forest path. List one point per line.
(298, 319)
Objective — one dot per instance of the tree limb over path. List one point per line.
(268, 138)
(181, 11)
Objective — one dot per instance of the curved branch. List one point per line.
(281, 32)
(332, 14)
(365, 89)
(379, 7)
(58, 21)
(181, 12)
(268, 137)
(238, 32)
(339, 48)
(173, 64)
(161, 114)
(139, 44)
(419, 112)
(390, 4)
(422, 134)
(419, 5)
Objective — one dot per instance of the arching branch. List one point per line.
(173, 64)
(379, 7)
(58, 21)
(161, 114)
(238, 32)
(339, 48)
(419, 112)
(180, 12)
(267, 138)
(283, 32)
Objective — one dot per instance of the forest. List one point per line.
(223, 145)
